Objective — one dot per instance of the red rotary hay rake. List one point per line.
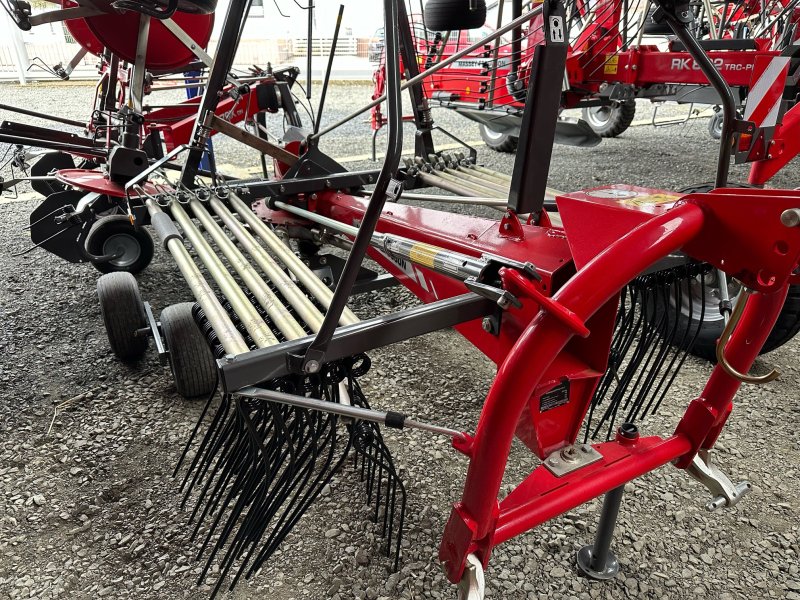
(582, 321)
(611, 63)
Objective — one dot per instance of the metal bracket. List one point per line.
(503, 298)
(571, 458)
(153, 329)
(725, 492)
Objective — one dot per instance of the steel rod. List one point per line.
(287, 288)
(476, 179)
(311, 282)
(33, 113)
(456, 188)
(437, 67)
(276, 310)
(252, 321)
(469, 200)
(344, 410)
(230, 338)
(326, 82)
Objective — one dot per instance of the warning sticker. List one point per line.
(651, 199)
(611, 65)
(558, 396)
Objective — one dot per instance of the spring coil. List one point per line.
(208, 332)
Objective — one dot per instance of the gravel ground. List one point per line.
(89, 508)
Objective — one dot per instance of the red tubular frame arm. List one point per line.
(537, 347)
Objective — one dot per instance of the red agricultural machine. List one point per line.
(613, 60)
(584, 321)
(143, 49)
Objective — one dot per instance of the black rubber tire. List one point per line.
(786, 327)
(122, 310)
(715, 125)
(193, 367)
(620, 118)
(107, 232)
(454, 15)
(497, 141)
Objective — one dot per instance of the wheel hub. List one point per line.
(125, 247)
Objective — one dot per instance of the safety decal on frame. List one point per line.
(557, 29)
(651, 199)
(611, 65)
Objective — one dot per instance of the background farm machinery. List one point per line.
(611, 63)
(583, 321)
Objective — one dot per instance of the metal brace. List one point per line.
(503, 298)
(571, 458)
(725, 492)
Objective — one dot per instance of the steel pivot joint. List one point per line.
(724, 491)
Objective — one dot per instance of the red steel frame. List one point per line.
(738, 230)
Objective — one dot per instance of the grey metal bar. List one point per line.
(344, 410)
(137, 86)
(293, 294)
(268, 363)
(276, 310)
(449, 263)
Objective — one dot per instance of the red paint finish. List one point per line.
(96, 181)
(474, 236)
(119, 32)
(785, 145)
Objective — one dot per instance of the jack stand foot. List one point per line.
(585, 560)
(597, 561)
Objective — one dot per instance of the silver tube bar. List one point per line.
(437, 67)
(252, 321)
(496, 174)
(478, 188)
(453, 264)
(456, 188)
(276, 310)
(344, 410)
(230, 338)
(312, 283)
(478, 180)
(293, 294)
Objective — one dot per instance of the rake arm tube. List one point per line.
(226, 331)
(472, 523)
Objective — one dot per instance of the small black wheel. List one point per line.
(612, 119)
(114, 234)
(454, 15)
(122, 310)
(193, 366)
(497, 140)
(715, 125)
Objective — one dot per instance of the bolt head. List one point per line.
(312, 366)
(791, 217)
(487, 324)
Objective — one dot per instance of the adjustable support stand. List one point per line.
(597, 561)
